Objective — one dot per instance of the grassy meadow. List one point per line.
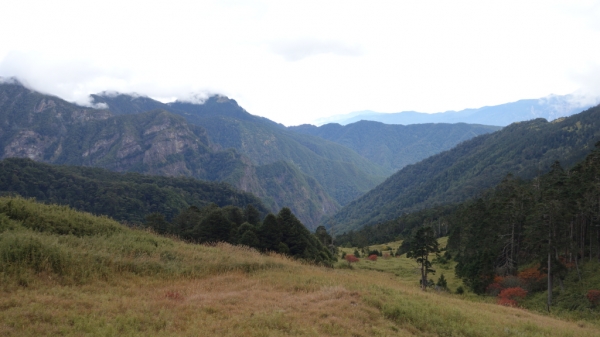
(65, 273)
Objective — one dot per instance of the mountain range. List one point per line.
(395, 146)
(49, 129)
(315, 171)
(549, 108)
(215, 141)
(524, 149)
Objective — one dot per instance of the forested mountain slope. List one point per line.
(342, 172)
(48, 129)
(122, 196)
(524, 149)
(395, 146)
(536, 235)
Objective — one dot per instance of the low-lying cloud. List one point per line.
(75, 80)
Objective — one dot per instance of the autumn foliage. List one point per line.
(372, 257)
(351, 258)
(531, 274)
(509, 296)
(594, 297)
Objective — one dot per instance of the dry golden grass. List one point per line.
(293, 299)
(133, 283)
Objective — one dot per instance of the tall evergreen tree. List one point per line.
(252, 215)
(270, 233)
(422, 245)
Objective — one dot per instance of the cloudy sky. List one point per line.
(296, 61)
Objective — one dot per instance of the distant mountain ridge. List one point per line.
(549, 108)
(395, 146)
(524, 149)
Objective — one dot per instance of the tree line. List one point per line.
(552, 221)
(281, 233)
(548, 226)
(125, 197)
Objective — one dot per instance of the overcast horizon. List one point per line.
(295, 62)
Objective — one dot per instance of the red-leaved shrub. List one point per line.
(532, 278)
(594, 297)
(351, 258)
(531, 275)
(509, 296)
(372, 257)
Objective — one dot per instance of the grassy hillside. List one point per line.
(395, 146)
(524, 149)
(68, 273)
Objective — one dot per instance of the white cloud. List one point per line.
(295, 50)
(196, 98)
(295, 61)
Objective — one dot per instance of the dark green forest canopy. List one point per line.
(400, 228)
(550, 220)
(282, 233)
(123, 196)
(524, 149)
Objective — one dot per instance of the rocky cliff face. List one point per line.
(340, 171)
(48, 129)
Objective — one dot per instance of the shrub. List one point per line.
(351, 258)
(442, 283)
(512, 282)
(532, 278)
(460, 290)
(386, 255)
(372, 257)
(374, 252)
(509, 296)
(594, 297)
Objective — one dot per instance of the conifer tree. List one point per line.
(423, 244)
(270, 233)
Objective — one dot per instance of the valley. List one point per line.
(150, 218)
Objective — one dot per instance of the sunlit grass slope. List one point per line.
(73, 274)
(403, 267)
